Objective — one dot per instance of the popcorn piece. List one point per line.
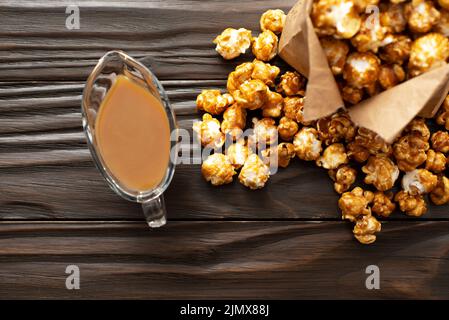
(365, 229)
(444, 4)
(373, 89)
(333, 157)
(410, 152)
(273, 106)
(265, 72)
(273, 20)
(370, 36)
(443, 25)
(421, 16)
(361, 69)
(440, 195)
(217, 169)
(254, 173)
(391, 75)
(393, 17)
(427, 52)
(351, 95)
(442, 117)
(208, 132)
(251, 94)
(240, 75)
(419, 181)
(336, 128)
(344, 177)
(238, 153)
(293, 108)
(440, 141)
(361, 5)
(231, 42)
(382, 204)
(398, 50)
(265, 131)
(367, 142)
(355, 204)
(419, 127)
(284, 152)
(213, 102)
(234, 121)
(292, 84)
(287, 128)
(265, 46)
(307, 145)
(381, 172)
(336, 17)
(336, 52)
(436, 161)
(412, 205)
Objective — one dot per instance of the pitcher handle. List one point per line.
(155, 212)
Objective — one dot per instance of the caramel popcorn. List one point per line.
(383, 205)
(398, 50)
(421, 15)
(343, 177)
(293, 108)
(365, 229)
(251, 95)
(265, 131)
(381, 172)
(254, 173)
(427, 52)
(333, 157)
(362, 5)
(238, 153)
(273, 20)
(284, 152)
(366, 143)
(336, 52)
(361, 69)
(436, 161)
(440, 141)
(273, 106)
(234, 121)
(392, 17)
(292, 84)
(265, 46)
(442, 117)
(231, 42)
(287, 128)
(336, 128)
(391, 75)
(213, 102)
(217, 169)
(370, 37)
(412, 205)
(208, 132)
(265, 72)
(444, 4)
(355, 203)
(307, 145)
(419, 181)
(241, 74)
(351, 95)
(440, 195)
(410, 152)
(443, 25)
(338, 18)
(418, 127)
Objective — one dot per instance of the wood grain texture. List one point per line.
(251, 260)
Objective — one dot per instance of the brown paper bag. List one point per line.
(387, 113)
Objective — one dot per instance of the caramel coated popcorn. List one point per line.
(442, 117)
(265, 46)
(293, 108)
(419, 181)
(265, 131)
(336, 128)
(307, 145)
(343, 177)
(392, 17)
(440, 195)
(412, 205)
(241, 74)
(284, 152)
(370, 36)
(381, 172)
(292, 84)
(391, 75)
(365, 229)
(361, 69)
(255, 173)
(355, 203)
(333, 157)
(208, 132)
(234, 121)
(287, 128)
(436, 161)
(231, 42)
(213, 102)
(238, 153)
(427, 52)
(336, 52)
(217, 169)
(383, 205)
(398, 50)
(273, 105)
(443, 25)
(351, 95)
(421, 15)
(410, 152)
(251, 95)
(366, 143)
(264, 72)
(440, 141)
(273, 20)
(418, 127)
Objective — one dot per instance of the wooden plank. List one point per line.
(250, 260)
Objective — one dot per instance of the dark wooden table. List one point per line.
(285, 241)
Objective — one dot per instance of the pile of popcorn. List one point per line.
(418, 158)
